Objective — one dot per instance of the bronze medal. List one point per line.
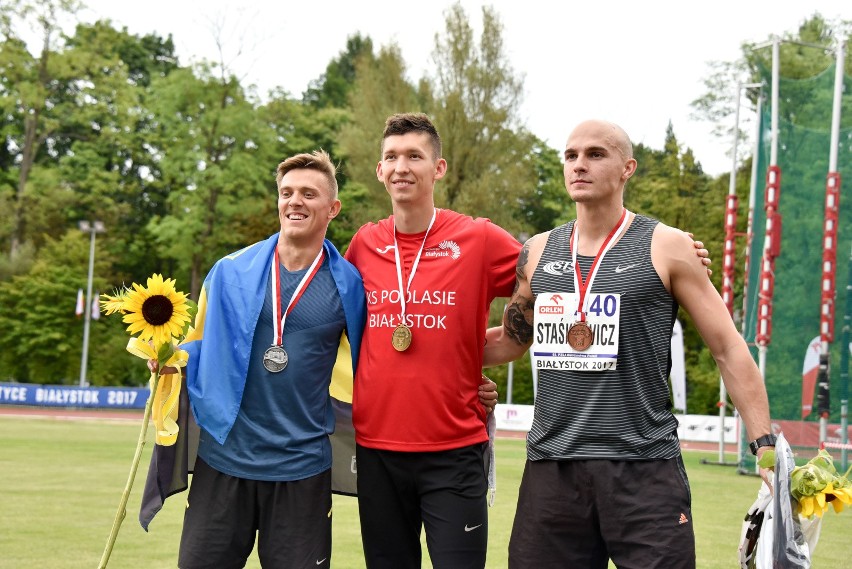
(275, 359)
(401, 338)
(580, 336)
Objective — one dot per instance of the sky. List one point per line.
(638, 64)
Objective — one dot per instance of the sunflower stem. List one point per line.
(122, 505)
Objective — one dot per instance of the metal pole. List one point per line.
(844, 353)
(776, 80)
(730, 256)
(837, 104)
(832, 207)
(844, 369)
(752, 200)
(771, 244)
(728, 261)
(88, 306)
(510, 382)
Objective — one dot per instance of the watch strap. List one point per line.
(764, 441)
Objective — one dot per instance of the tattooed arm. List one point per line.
(511, 340)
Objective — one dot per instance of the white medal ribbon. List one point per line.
(275, 283)
(582, 288)
(403, 293)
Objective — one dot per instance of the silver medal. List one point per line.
(275, 359)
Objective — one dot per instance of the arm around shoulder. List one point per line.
(511, 340)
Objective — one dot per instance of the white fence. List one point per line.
(704, 428)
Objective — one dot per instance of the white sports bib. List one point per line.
(555, 313)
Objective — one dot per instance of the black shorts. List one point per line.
(581, 513)
(224, 515)
(445, 492)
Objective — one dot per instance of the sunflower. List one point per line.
(817, 485)
(113, 303)
(158, 312)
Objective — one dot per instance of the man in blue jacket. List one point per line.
(269, 327)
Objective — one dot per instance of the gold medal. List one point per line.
(401, 338)
(580, 336)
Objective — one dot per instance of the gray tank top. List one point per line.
(621, 414)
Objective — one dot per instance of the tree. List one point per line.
(42, 339)
(547, 205)
(798, 58)
(217, 161)
(476, 96)
(804, 111)
(332, 88)
(380, 90)
(84, 156)
(31, 89)
(105, 164)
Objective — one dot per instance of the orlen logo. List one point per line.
(551, 310)
(555, 309)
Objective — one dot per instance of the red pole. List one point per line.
(829, 256)
(771, 250)
(827, 293)
(730, 253)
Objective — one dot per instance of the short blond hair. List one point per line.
(318, 160)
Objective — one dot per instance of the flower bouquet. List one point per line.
(793, 515)
(158, 319)
(817, 484)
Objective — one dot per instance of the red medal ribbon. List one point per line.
(278, 334)
(583, 285)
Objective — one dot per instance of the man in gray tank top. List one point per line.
(595, 301)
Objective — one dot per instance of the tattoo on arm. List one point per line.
(520, 269)
(518, 319)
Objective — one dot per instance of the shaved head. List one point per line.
(613, 135)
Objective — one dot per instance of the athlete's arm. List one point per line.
(685, 277)
(510, 341)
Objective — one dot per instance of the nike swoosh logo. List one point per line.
(321, 561)
(469, 528)
(620, 269)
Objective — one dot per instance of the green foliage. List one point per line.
(380, 90)
(178, 163)
(806, 64)
(547, 205)
(209, 143)
(42, 338)
(476, 99)
(333, 88)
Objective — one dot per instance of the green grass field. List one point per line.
(61, 481)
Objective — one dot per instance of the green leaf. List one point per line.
(165, 352)
(192, 310)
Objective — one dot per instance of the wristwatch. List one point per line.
(764, 441)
